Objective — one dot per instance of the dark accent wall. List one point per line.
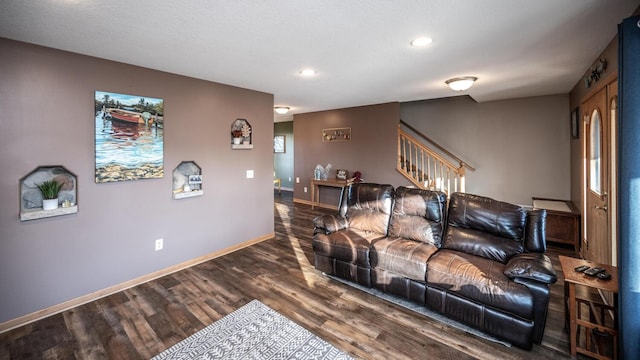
(372, 149)
(283, 162)
(46, 118)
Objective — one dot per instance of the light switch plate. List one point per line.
(249, 174)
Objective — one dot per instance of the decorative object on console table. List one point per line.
(342, 174)
(336, 134)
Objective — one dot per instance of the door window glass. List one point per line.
(595, 152)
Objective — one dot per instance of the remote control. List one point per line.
(581, 268)
(604, 275)
(594, 271)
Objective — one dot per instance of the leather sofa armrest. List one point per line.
(534, 266)
(329, 223)
(541, 294)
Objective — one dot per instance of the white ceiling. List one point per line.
(360, 48)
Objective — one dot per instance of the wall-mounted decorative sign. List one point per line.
(279, 144)
(187, 180)
(129, 135)
(336, 134)
(595, 73)
(241, 134)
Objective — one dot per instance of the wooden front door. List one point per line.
(597, 238)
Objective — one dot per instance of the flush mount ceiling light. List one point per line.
(308, 72)
(282, 109)
(421, 41)
(461, 83)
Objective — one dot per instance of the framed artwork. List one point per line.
(575, 124)
(279, 144)
(129, 137)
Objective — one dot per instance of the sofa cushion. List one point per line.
(418, 215)
(484, 227)
(403, 257)
(369, 207)
(480, 280)
(351, 245)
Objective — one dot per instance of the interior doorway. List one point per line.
(283, 145)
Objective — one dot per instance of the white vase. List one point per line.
(237, 141)
(49, 204)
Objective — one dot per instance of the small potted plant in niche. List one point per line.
(49, 190)
(237, 136)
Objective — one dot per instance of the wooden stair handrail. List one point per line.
(438, 146)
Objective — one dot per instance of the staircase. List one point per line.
(429, 167)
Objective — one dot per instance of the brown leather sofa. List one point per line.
(480, 262)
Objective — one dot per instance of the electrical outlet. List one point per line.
(159, 244)
(249, 174)
(305, 189)
(297, 180)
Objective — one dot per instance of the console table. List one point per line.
(315, 188)
(602, 321)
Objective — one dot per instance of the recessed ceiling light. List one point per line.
(282, 109)
(308, 72)
(421, 41)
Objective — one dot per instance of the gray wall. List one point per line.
(46, 97)
(520, 147)
(372, 149)
(283, 162)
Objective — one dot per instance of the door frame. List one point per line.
(608, 83)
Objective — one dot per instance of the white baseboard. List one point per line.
(55, 309)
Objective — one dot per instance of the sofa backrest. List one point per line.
(418, 215)
(485, 227)
(367, 206)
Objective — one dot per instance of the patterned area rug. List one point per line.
(254, 331)
(421, 310)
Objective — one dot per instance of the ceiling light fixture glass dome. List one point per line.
(461, 83)
(282, 109)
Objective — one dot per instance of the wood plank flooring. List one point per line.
(143, 321)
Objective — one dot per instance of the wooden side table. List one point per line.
(315, 188)
(596, 326)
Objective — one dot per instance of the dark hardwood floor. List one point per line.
(140, 322)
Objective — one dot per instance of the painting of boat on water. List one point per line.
(129, 132)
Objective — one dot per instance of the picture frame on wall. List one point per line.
(575, 124)
(279, 144)
(129, 137)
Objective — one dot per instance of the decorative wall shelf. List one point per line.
(241, 134)
(336, 134)
(187, 180)
(31, 198)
